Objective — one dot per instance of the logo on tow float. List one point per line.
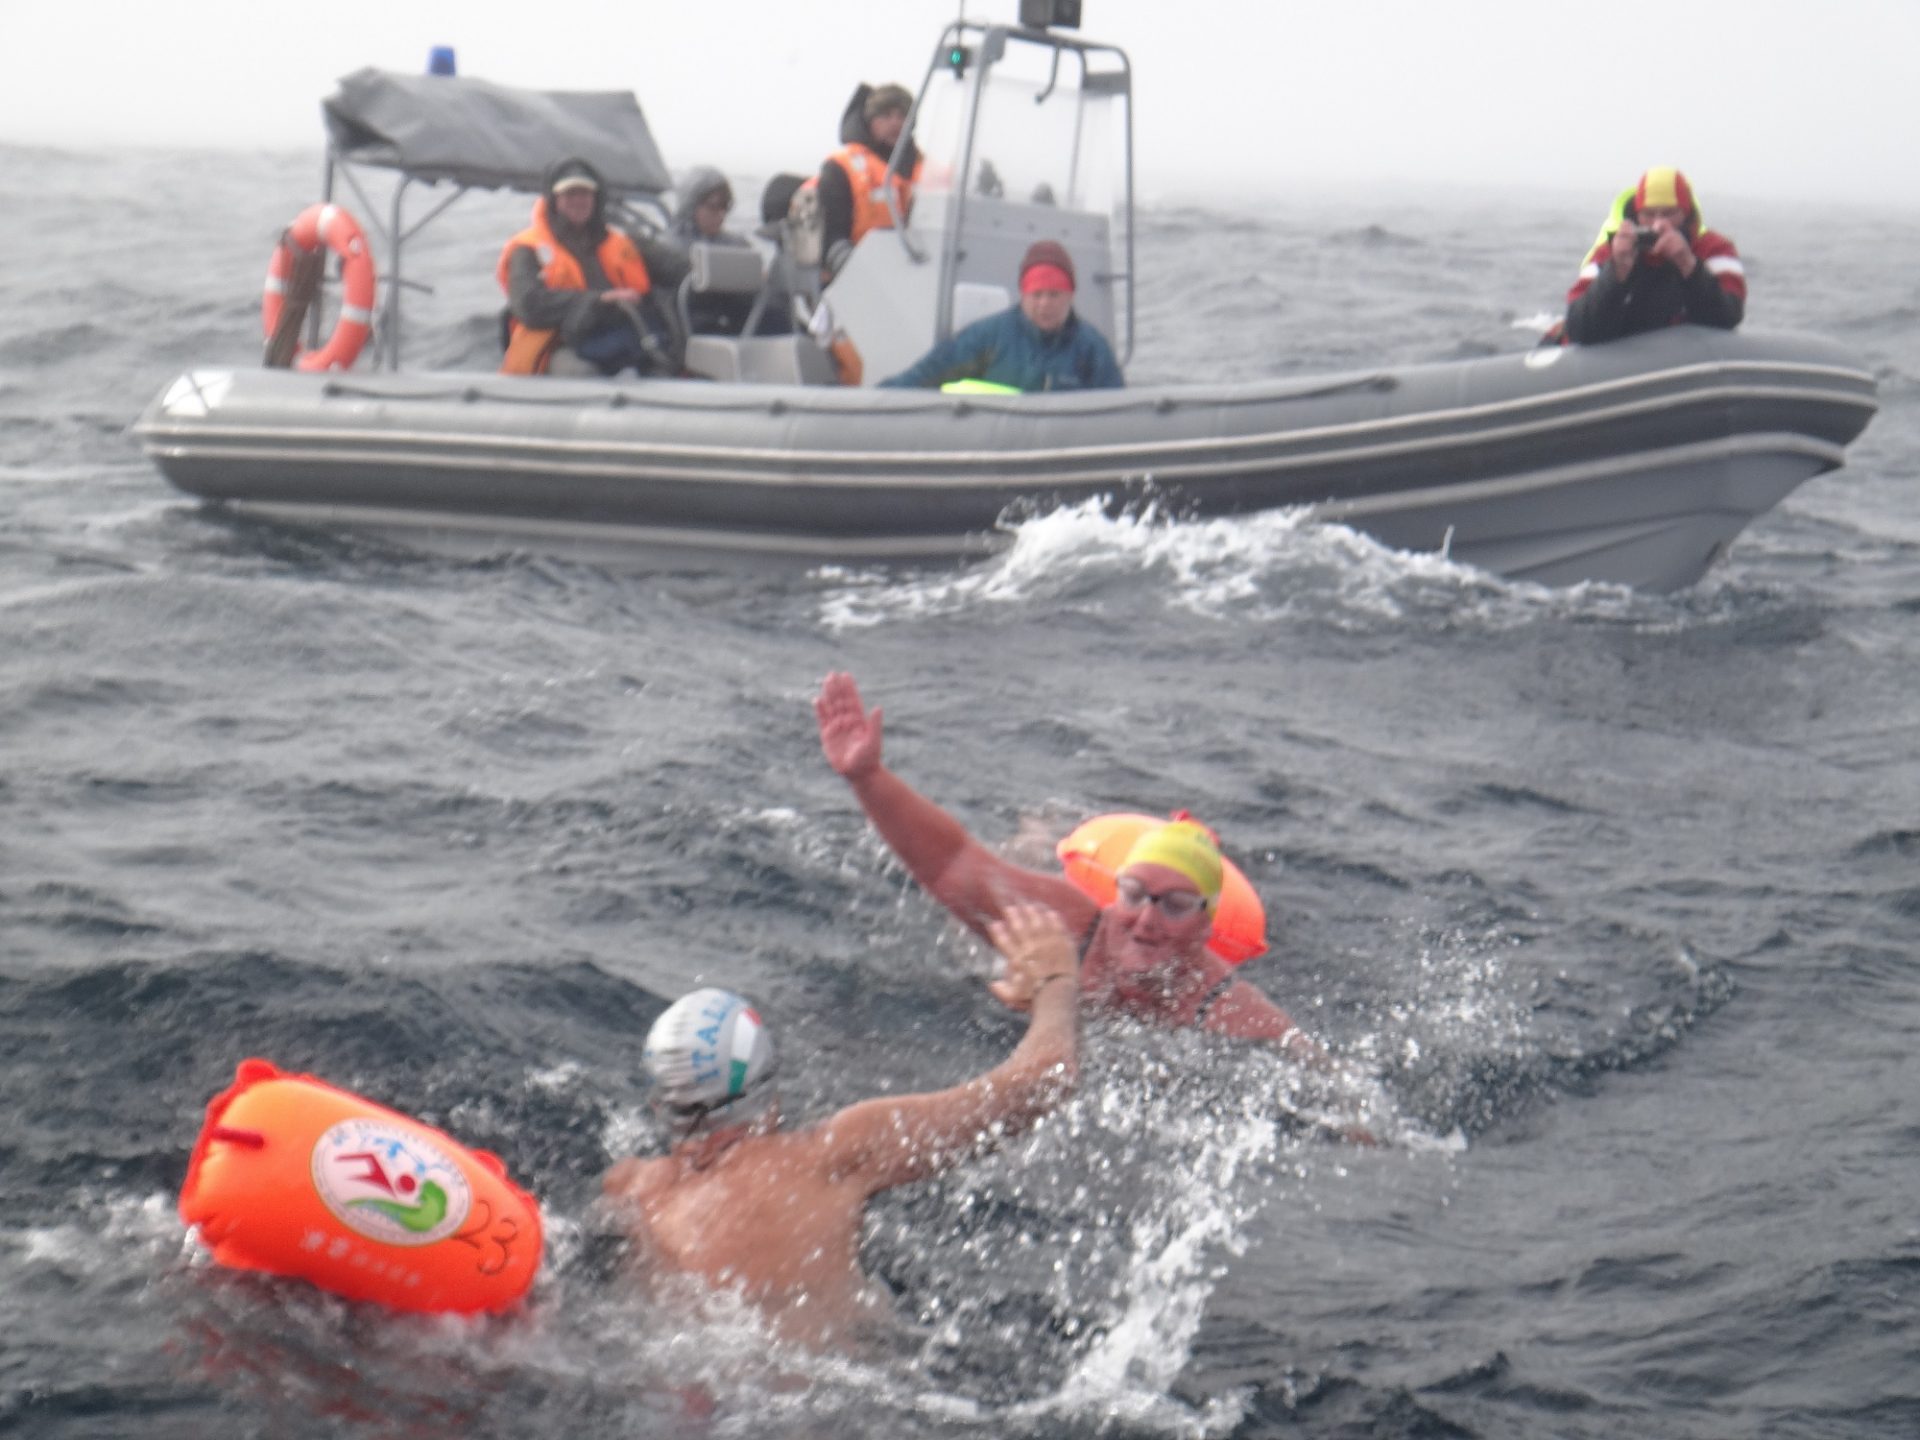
(389, 1184)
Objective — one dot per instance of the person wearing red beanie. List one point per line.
(1037, 344)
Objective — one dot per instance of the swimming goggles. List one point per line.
(1174, 904)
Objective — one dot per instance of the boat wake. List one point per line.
(1275, 566)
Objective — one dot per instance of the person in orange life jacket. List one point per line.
(852, 197)
(1038, 344)
(1657, 266)
(579, 298)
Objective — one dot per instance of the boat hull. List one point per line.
(1637, 462)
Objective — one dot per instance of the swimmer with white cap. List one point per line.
(773, 1214)
(709, 1057)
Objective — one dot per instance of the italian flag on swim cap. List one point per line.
(746, 1030)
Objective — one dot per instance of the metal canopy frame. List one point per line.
(426, 129)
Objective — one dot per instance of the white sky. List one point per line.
(1810, 99)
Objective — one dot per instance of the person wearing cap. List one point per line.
(853, 186)
(1037, 344)
(1145, 955)
(774, 1215)
(1655, 265)
(579, 298)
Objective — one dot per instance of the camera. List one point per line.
(1645, 239)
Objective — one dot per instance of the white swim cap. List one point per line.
(706, 1051)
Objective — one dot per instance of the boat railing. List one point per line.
(970, 51)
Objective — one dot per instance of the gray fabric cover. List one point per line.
(474, 132)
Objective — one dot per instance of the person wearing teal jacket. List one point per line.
(1039, 344)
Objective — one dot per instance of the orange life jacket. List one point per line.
(865, 173)
(529, 350)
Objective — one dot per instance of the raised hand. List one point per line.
(849, 732)
(1038, 949)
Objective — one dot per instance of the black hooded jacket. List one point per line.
(573, 313)
(577, 314)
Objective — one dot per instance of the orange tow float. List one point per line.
(293, 1176)
(337, 230)
(1093, 854)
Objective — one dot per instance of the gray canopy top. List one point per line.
(473, 132)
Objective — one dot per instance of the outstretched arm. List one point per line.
(964, 356)
(879, 1144)
(957, 870)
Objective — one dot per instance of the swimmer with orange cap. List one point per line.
(1145, 954)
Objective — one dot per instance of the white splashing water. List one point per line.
(1188, 1171)
(1236, 570)
(113, 1225)
(1172, 1273)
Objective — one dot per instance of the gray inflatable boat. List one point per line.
(1637, 462)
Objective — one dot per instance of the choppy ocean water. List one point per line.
(1614, 894)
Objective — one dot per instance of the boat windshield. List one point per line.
(1049, 120)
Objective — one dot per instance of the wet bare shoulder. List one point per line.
(637, 1179)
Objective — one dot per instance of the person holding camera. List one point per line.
(1656, 265)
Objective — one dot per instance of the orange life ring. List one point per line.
(335, 228)
(1093, 854)
(292, 1176)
